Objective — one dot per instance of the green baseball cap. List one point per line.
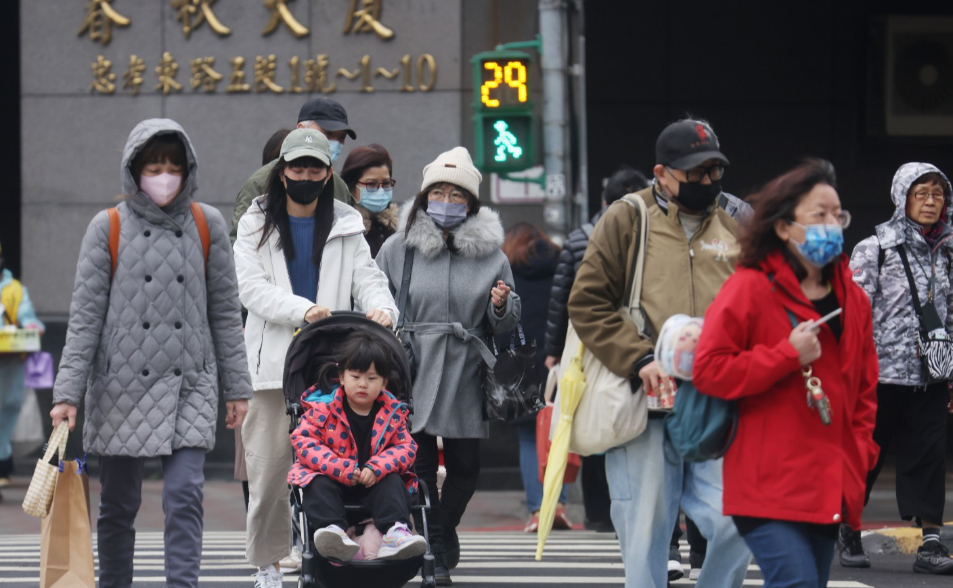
(306, 143)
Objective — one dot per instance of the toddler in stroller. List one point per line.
(352, 446)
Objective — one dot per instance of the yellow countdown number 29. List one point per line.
(514, 75)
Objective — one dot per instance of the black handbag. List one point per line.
(401, 305)
(513, 387)
(935, 347)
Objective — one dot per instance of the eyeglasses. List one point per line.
(375, 186)
(697, 174)
(454, 196)
(819, 217)
(921, 196)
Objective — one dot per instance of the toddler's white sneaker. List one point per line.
(400, 543)
(333, 542)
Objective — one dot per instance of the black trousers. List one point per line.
(461, 457)
(595, 489)
(387, 501)
(913, 422)
(696, 541)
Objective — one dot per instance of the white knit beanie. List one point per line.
(456, 167)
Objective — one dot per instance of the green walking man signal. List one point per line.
(506, 143)
(503, 113)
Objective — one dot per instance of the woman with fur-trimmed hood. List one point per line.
(368, 172)
(458, 292)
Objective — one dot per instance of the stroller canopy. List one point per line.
(319, 343)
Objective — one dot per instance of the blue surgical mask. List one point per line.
(822, 243)
(335, 149)
(377, 200)
(446, 215)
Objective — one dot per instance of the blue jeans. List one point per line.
(11, 400)
(529, 467)
(791, 555)
(648, 482)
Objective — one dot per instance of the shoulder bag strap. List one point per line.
(113, 240)
(901, 250)
(404, 286)
(202, 225)
(633, 289)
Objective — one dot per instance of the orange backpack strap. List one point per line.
(113, 240)
(202, 225)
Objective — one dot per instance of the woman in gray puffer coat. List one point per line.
(459, 291)
(911, 410)
(153, 335)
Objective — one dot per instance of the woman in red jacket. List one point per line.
(806, 394)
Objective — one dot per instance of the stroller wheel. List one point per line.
(427, 572)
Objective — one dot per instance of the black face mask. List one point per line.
(305, 192)
(696, 196)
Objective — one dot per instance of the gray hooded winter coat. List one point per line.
(883, 278)
(450, 289)
(151, 350)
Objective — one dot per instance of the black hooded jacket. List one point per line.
(558, 317)
(534, 282)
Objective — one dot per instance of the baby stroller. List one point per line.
(313, 346)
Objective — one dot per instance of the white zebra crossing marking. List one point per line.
(579, 558)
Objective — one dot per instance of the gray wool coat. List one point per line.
(450, 288)
(150, 350)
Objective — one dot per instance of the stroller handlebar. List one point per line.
(337, 313)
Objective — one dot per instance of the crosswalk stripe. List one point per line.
(493, 558)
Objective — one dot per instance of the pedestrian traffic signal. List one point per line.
(504, 143)
(503, 119)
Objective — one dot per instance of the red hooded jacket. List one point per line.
(784, 463)
(324, 446)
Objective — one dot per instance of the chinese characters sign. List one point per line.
(410, 75)
(363, 16)
(263, 73)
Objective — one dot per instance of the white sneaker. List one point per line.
(693, 575)
(292, 563)
(268, 577)
(400, 543)
(333, 542)
(675, 571)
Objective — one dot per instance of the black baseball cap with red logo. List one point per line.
(687, 143)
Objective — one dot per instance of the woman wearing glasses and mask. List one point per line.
(805, 391)
(300, 254)
(459, 291)
(367, 173)
(908, 261)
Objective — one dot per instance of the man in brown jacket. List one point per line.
(691, 250)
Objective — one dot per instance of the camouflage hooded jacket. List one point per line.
(883, 278)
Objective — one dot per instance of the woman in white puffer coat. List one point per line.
(299, 255)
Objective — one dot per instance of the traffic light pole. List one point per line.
(552, 28)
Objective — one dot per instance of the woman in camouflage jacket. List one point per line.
(912, 411)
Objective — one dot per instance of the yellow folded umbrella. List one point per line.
(571, 387)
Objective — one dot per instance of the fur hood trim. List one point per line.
(387, 217)
(478, 236)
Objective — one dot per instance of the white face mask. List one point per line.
(161, 189)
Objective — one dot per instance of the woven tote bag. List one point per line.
(39, 495)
